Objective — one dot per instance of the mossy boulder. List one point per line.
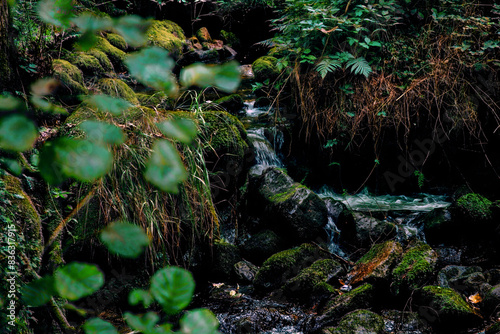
(492, 299)
(439, 226)
(261, 246)
(265, 68)
(229, 38)
(203, 35)
(362, 296)
(115, 55)
(284, 265)
(377, 264)
(245, 271)
(473, 207)
(445, 308)
(70, 76)
(464, 279)
(166, 34)
(291, 209)
(102, 58)
(117, 41)
(365, 229)
(117, 88)
(232, 103)
(359, 322)
(89, 64)
(225, 256)
(312, 282)
(415, 269)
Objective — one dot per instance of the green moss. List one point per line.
(115, 55)
(70, 76)
(167, 35)
(475, 206)
(117, 88)
(154, 100)
(287, 194)
(357, 298)
(360, 321)
(103, 59)
(117, 41)
(225, 257)
(265, 68)
(89, 64)
(203, 35)
(447, 300)
(224, 133)
(229, 38)
(232, 103)
(415, 268)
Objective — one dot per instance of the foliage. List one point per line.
(475, 206)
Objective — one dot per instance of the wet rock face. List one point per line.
(291, 209)
(365, 229)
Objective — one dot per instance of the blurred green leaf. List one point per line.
(140, 296)
(10, 103)
(43, 87)
(182, 129)
(38, 292)
(12, 165)
(227, 76)
(197, 74)
(125, 239)
(56, 12)
(153, 67)
(77, 280)
(144, 323)
(164, 168)
(173, 288)
(133, 29)
(17, 133)
(102, 132)
(92, 23)
(105, 103)
(48, 164)
(199, 321)
(46, 106)
(99, 326)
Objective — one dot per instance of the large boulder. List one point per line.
(167, 35)
(232, 103)
(439, 226)
(265, 68)
(291, 209)
(225, 257)
(366, 229)
(71, 78)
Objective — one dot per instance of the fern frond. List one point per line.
(359, 66)
(327, 65)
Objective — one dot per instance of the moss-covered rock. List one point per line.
(102, 58)
(203, 35)
(261, 246)
(115, 55)
(232, 103)
(230, 38)
(284, 265)
(474, 206)
(444, 307)
(265, 68)
(492, 299)
(415, 269)
(366, 228)
(464, 279)
(117, 88)
(167, 35)
(89, 64)
(155, 100)
(117, 41)
(245, 271)
(439, 226)
(360, 297)
(377, 264)
(312, 282)
(71, 77)
(225, 256)
(359, 322)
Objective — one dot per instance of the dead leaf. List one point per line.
(474, 299)
(328, 31)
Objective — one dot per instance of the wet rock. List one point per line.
(472, 207)
(284, 265)
(246, 71)
(438, 226)
(397, 322)
(366, 229)
(493, 276)
(448, 255)
(445, 308)
(295, 212)
(232, 103)
(492, 299)
(225, 256)
(339, 305)
(261, 246)
(311, 282)
(359, 322)
(461, 278)
(415, 269)
(245, 271)
(376, 266)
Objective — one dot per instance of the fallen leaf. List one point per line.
(474, 299)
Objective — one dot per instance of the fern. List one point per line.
(359, 66)
(327, 65)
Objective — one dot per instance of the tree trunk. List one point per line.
(5, 46)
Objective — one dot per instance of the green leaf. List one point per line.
(10, 103)
(105, 103)
(56, 12)
(39, 292)
(102, 132)
(164, 168)
(86, 41)
(88, 22)
(144, 323)
(359, 66)
(133, 29)
(327, 65)
(197, 75)
(227, 76)
(125, 239)
(173, 288)
(46, 106)
(77, 280)
(99, 326)
(200, 321)
(153, 67)
(48, 164)
(12, 165)
(182, 129)
(140, 296)
(17, 133)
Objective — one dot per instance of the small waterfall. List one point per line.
(265, 155)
